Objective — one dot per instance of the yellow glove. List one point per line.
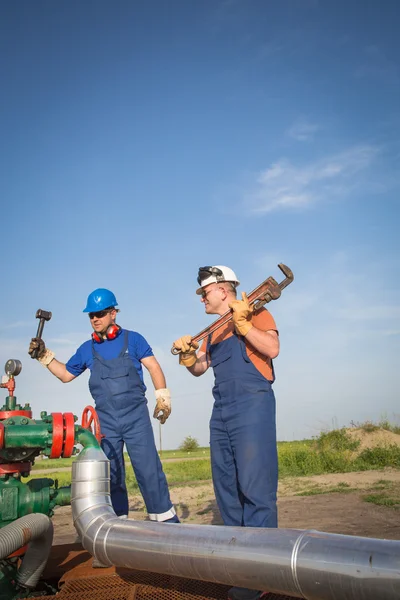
(187, 347)
(163, 405)
(242, 314)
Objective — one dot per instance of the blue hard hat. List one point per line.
(99, 300)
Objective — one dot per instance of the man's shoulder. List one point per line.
(85, 346)
(85, 350)
(134, 334)
(263, 316)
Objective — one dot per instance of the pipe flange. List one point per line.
(9, 468)
(7, 414)
(58, 435)
(2, 434)
(69, 436)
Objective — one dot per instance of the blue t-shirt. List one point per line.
(138, 348)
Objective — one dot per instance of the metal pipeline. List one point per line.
(303, 564)
(36, 530)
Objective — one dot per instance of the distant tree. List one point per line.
(189, 444)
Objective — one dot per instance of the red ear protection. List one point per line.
(111, 334)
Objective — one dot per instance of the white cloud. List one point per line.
(284, 185)
(302, 130)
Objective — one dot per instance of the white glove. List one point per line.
(163, 405)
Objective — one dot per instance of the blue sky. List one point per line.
(141, 140)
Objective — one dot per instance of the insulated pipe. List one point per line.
(37, 531)
(303, 564)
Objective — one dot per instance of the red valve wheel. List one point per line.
(90, 421)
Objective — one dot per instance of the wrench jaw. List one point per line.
(288, 275)
(272, 293)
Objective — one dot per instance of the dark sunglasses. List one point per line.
(206, 272)
(99, 314)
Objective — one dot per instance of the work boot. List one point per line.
(238, 593)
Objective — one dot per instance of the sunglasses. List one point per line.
(204, 293)
(99, 314)
(206, 272)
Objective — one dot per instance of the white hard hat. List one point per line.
(216, 274)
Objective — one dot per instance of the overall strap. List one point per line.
(208, 356)
(125, 346)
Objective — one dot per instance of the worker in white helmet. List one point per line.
(242, 427)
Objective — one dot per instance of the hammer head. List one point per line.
(43, 314)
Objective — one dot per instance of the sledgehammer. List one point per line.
(42, 315)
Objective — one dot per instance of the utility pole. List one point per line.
(159, 432)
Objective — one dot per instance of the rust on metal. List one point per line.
(78, 580)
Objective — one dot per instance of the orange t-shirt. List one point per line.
(262, 320)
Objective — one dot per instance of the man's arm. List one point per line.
(196, 364)
(162, 393)
(59, 369)
(155, 372)
(266, 342)
(37, 348)
(200, 366)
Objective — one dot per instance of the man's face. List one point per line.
(212, 296)
(102, 319)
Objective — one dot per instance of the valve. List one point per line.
(90, 421)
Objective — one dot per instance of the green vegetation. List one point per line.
(384, 423)
(383, 500)
(342, 488)
(52, 463)
(331, 452)
(178, 473)
(189, 444)
(334, 452)
(200, 452)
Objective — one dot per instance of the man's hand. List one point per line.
(37, 344)
(242, 314)
(187, 347)
(163, 405)
(44, 355)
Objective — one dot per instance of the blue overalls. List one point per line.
(124, 418)
(244, 457)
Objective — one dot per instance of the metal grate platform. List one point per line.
(70, 569)
(138, 585)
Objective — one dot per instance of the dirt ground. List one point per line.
(336, 512)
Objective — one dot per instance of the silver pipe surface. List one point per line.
(36, 530)
(304, 564)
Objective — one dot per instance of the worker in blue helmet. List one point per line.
(115, 357)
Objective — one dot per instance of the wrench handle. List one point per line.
(268, 290)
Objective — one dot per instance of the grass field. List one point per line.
(333, 452)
